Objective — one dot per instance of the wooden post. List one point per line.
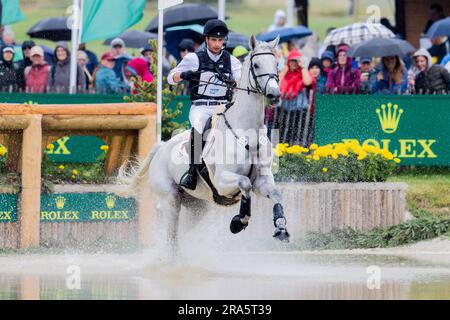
(147, 204)
(31, 183)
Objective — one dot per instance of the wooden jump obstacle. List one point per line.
(27, 129)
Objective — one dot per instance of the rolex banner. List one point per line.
(73, 207)
(92, 207)
(415, 129)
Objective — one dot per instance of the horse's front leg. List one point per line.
(265, 186)
(227, 182)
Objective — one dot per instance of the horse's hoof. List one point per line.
(282, 235)
(236, 224)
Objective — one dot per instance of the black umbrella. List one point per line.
(134, 38)
(381, 47)
(236, 39)
(183, 15)
(54, 29)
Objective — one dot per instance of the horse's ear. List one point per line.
(252, 42)
(274, 43)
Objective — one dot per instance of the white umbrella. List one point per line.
(358, 32)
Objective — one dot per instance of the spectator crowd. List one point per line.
(304, 65)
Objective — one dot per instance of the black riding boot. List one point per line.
(189, 179)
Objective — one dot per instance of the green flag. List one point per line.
(11, 12)
(107, 19)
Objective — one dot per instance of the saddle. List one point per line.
(205, 172)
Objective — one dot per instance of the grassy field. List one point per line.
(428, 189)
(247, 17)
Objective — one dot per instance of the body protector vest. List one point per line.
(215, 73)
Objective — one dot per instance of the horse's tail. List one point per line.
(134, 177)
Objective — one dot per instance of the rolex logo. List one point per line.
(110, 201)
(389, 117)
(60, 201)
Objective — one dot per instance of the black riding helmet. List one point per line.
(215, 28)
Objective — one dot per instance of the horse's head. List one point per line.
(263, 68)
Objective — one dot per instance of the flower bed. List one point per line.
(82, 173)
(337, 162)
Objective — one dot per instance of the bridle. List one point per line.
(257, 88)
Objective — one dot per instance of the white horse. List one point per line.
(248, 165)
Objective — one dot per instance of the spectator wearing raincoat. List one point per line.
(8, 70)
(59, 78)
(343, 79)
(279, 21)
(431, 78)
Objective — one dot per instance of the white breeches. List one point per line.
(198, 115)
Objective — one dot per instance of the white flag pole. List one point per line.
(75, 40)
(160, 75)
(221, 9)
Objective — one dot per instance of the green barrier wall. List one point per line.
(415, 129)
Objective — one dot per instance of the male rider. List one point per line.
(211, 72)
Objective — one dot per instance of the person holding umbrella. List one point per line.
(216, 66)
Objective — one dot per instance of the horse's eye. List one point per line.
(256, 66)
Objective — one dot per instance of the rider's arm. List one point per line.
(189, 63)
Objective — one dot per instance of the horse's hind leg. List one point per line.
(169, 206)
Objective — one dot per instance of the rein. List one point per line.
(254, 89)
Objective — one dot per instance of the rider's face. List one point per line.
(214, 44)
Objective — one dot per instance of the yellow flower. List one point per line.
(294, 150)
(313, 146)
(387, 154)
(316, 158)
(104, 148)
(278, 152)
(397, 160)
(324, 169)
(50, 146)
(73, 177)
(362, 155)
(334, 155)
(75, 172)
(308, 156)
(3, 150)
(61, 167)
